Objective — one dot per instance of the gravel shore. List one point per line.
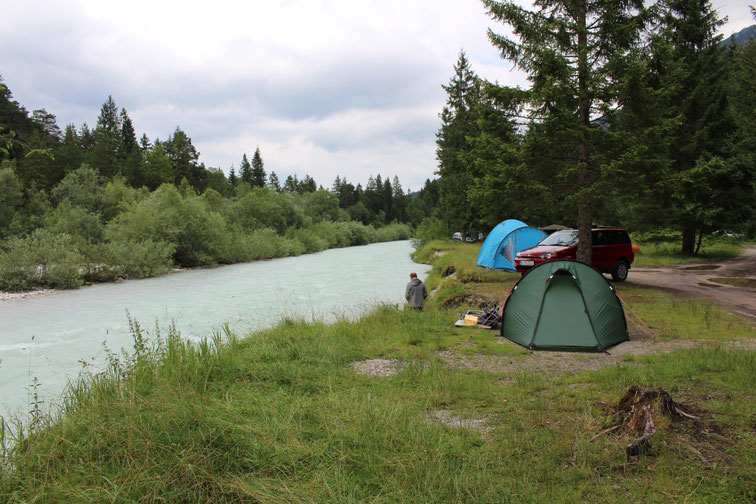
(7, 296)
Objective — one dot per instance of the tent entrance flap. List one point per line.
(507, 251)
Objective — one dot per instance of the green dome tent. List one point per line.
(564, 305)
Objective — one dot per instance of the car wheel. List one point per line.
(620, 270)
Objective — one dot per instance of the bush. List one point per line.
(43, 259)
(310, 239)
(199, 235)
(393, 232)
(428, 230)
(358, 233)
(137, 259)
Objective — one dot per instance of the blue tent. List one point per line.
(504, 241)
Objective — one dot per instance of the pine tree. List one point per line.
(69, 155)
(307, 185)
(258, 172)
(130, 154)
(291, 184)
(104, 155)
(458, 123)
(273, 182)
(398, 202)
(47, 124)
(245, 170)
(693, 68)
(233, 180)
(86, 138)
(144, 142)
(574, 52)
(183, 158)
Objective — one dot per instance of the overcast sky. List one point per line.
(323, 87)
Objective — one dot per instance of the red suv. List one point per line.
(612, 251)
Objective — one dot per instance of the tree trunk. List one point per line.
(585, 205)
(585, 237)
(689, 237)
(700, 238)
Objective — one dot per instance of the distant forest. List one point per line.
(96, 204)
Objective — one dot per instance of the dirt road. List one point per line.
(731, 283)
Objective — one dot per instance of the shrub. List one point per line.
(428, 230)
(310, 239)
(393, 232)
(137, 259)
(357, 233)
(199, 235)
(43, 259)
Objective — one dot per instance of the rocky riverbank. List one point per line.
(8, 296)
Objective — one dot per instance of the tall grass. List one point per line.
(281, 417)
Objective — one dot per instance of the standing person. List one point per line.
(415, 293)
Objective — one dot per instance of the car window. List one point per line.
(599, 238)
(565, 238)
(618, 237)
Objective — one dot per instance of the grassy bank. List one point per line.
(663, 249)
(448, 415)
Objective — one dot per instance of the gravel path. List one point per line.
(698, 281)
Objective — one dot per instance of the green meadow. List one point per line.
(400, 406)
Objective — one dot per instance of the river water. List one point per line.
(43, 340)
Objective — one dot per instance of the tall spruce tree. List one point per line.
(258, 172)
(184, 160)
(693, 71)
(107, 141)
(503, 184)
(743, 155)
(574, 53)
(458, 123)
(245, 170)
(291, 184)
(233, 180)
(130, 154)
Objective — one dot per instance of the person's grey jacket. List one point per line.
(415, 293)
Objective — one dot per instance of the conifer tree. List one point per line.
(258, 172)
(104, 155)
(184, 160)
(458, 123)
(573, 52)
(69, 155)
(86, 138)
(273, 182)
(307, 185)
(233, 180)
(694, 72)
(144, 142)
(130, 154)
(245, 170)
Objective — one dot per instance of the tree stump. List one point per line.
(634, 413)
